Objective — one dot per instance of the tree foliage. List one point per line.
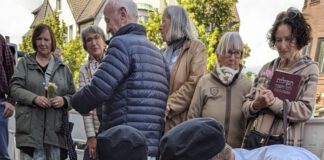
(74, 55)
(212, 18)
(26, 45)
(58, 27)
(152, 28)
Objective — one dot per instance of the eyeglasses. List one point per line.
(91, 38)
(229, 53)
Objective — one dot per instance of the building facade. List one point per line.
(78, 14)
(314, 9)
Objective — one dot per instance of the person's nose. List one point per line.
(93, 41)
(284, 44)
(160, 28)
(232, 56)
(42, 42)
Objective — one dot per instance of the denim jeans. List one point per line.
(3, 134)
(48, 152)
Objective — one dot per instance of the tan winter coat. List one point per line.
(212, 98)
(187, 70)
(299, 111)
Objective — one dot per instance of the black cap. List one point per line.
(122, 143)
(195, 139)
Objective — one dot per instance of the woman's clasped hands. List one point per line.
(44, 102)
(264, 99)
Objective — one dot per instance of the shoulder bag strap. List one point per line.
(285, 120)
(49, 70)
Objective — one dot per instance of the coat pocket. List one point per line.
(58, 128)
(23, 119)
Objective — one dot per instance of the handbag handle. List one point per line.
(285, 120)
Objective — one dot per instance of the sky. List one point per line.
(256, 18)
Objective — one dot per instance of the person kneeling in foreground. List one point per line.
(122, 143)
(203, 139)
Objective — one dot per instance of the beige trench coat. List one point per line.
(188, 69)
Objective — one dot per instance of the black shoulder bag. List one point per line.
(255, 139)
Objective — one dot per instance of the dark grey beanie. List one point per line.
(122, 143)
(195, 139)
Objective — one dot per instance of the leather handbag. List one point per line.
(255, 139)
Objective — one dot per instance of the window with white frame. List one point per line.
(58, 4)
(70, 32)
(320, 54)
(307, 49)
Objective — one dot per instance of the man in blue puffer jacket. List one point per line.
(131, 82)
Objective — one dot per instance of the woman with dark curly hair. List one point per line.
(290, 33)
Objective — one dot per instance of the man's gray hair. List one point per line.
(181, 25)
(91, 29)
(130, 6)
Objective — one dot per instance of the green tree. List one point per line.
(213, 18)
(250, 75)
(26, 45)
(74, 55)
(58, 27)
(152, 28)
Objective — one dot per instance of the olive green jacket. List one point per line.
(35, 125)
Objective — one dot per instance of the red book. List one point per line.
(285, 85)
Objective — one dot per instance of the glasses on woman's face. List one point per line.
(230, 53)
(94, 37)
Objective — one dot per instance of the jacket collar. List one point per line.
(216, 76)
(131, 28)
(31, 62)
(300, 64)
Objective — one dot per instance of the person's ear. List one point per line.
(123, 14)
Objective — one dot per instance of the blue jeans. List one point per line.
(47, 152)
(3, 134)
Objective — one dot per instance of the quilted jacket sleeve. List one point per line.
(112, 71)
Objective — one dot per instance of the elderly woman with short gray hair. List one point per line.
(221, 93)
(185, 57)
(93, 40)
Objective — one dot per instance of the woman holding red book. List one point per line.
(274, 120)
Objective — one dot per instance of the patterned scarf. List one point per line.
(226, 74)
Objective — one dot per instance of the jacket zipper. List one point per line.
(228, 111)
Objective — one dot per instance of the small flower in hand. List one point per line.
(266, 76)
(51, 90)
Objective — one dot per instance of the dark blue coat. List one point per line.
(132, 85)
